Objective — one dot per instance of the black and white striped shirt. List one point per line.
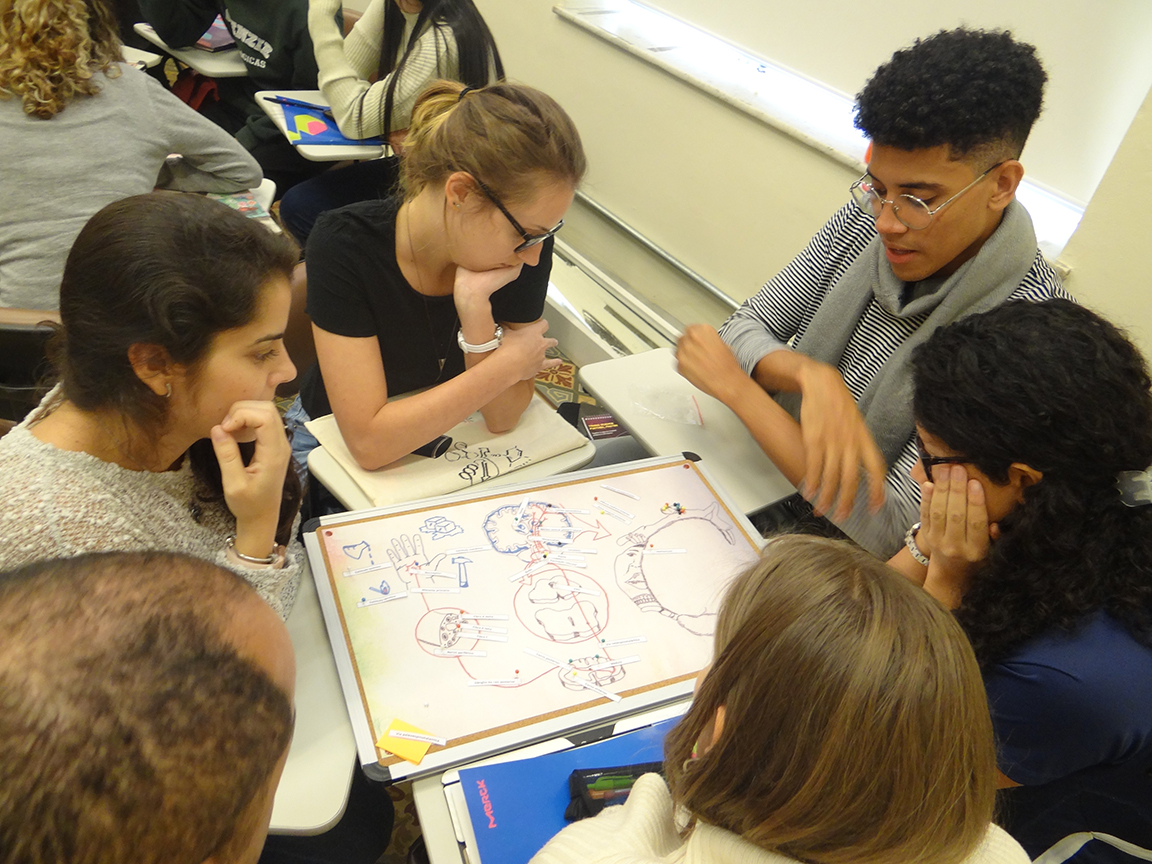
(777, 316)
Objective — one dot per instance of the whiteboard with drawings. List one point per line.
(491, 620)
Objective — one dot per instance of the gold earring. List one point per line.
(168, 390)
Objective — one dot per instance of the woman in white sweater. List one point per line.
(372, 78)
(843, 721)
(161, 434)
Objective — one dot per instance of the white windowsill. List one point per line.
(800, 107)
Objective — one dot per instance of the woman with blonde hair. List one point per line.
(842, 721)
(81, 129)
(444, 288)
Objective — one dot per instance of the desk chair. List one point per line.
(24, 335)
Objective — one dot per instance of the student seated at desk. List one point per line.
(1035, 423)
(405, 45)
(173, 308)
(147, 712)
(79, 129)
(933, 232)
(273, 42)
(444, 288)
(842, 721)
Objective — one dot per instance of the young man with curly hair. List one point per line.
(816, 363)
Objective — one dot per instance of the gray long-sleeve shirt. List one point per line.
(55, 174)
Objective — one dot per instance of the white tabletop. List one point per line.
(731, 454)
(145, 59)
(214, 64)
(313, 790)
(314, 152)
(332, 474)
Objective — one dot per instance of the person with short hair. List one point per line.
(442, 288)
(842, 721)
(161, 434)
(816, 363)
(1035, 427)
(63, 79)
(146, 712)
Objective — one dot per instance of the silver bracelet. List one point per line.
(910, 542)
(230, 543)
(483, 347)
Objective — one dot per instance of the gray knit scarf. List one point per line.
(982, 283)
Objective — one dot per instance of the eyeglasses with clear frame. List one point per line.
(530, 240)
(927, 460)
(910, 210)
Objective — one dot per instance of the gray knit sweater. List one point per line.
(58, 503)
(55, 174)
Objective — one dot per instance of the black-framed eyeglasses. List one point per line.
(910, 210)
(530, 240)
(927, 460)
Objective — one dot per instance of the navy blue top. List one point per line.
(1073, 720)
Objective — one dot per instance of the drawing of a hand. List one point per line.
(407, 557)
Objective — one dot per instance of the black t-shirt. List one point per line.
(356, 288)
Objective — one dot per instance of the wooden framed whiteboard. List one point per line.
(492, 620)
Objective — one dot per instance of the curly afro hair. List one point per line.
(972, 90)
(1054, 386)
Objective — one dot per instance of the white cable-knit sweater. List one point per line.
(642, 831)
(57, 503)
(347, 64)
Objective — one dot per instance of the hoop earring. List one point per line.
(168, 390)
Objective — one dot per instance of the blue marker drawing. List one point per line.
(383, 589)
(439, 527)
(462, 569)
(357, 551)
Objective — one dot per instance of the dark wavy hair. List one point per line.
(475, 45)
(1053, 386)
(166, 269)
(973, 90)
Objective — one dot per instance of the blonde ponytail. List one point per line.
(506, 135)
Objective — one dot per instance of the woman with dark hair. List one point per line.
(405, 45)
(161, 434)
(842, 721)
(1035, 425)
(63, 81)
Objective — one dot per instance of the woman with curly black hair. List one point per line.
(1035, 428)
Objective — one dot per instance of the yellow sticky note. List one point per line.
(412, 751)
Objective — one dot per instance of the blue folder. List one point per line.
(517, 807)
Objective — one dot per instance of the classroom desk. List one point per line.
(214, 64)
(324, 467)
(733, 457)
(145, 59)
(315, 152)
(332, 474)
(313, 790)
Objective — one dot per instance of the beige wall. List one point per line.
(735, 199)
(731, 197)
(1111, 252)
